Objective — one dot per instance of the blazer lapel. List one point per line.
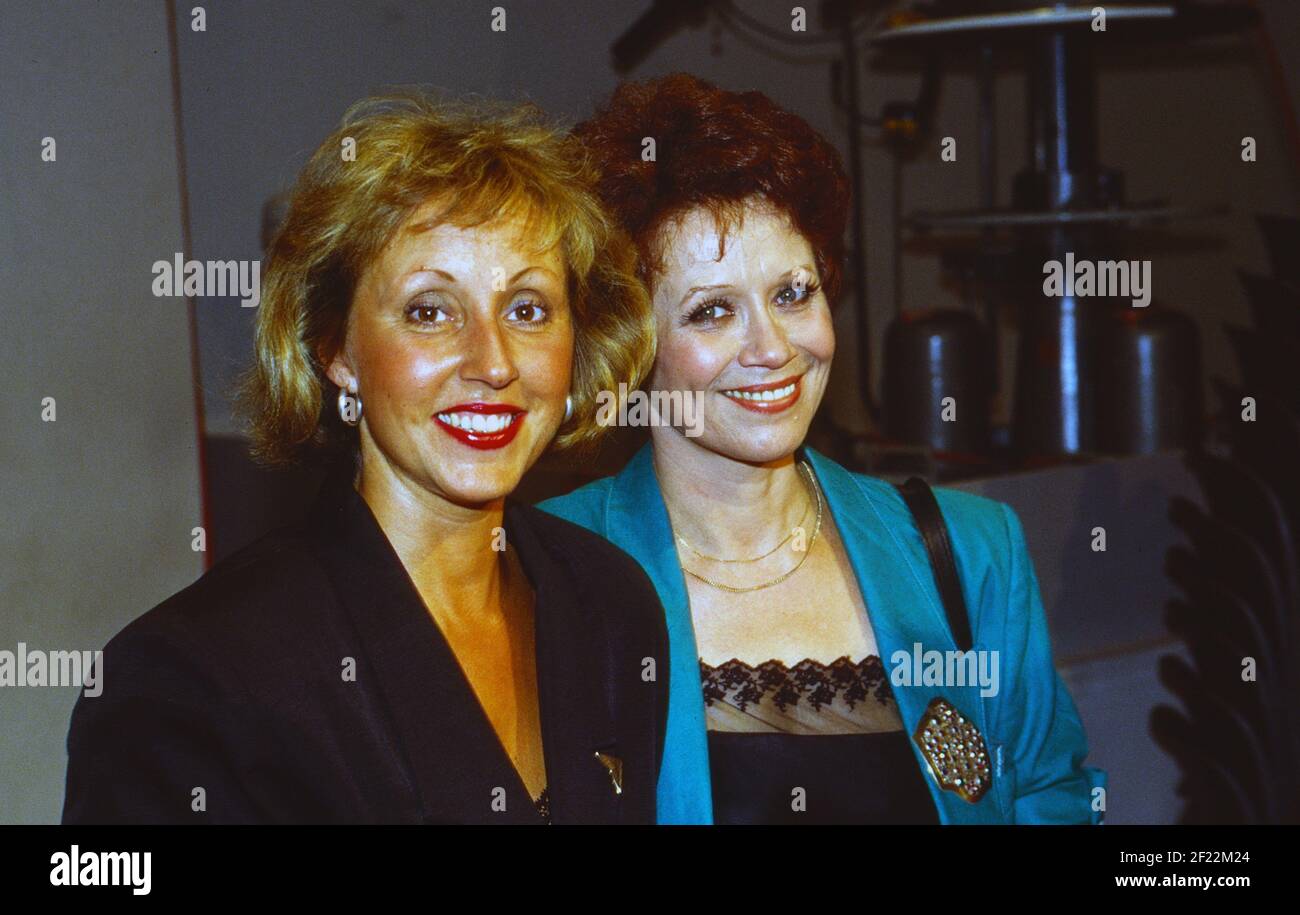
(897, 585)
(452, 754)
(637, 522)
(572, 687)
(893, 574)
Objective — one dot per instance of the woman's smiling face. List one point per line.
(460, 344)
(751, 330)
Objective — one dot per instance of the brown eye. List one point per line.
(426, 313)
(528, 311)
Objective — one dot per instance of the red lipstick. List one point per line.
(485, 426)
(736, 395)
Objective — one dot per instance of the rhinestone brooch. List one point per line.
(954, 750)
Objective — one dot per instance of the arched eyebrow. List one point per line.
(790, 274)
(694, 289)
(786, 277)
(514, 279)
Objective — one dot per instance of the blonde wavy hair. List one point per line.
(484, 161)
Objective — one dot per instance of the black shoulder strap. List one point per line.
(925, 509)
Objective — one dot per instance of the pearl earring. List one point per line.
(350, 405)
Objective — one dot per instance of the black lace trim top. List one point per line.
(810, 744)
(842, 697)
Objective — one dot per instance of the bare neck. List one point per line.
(722, 506)
(451, 551)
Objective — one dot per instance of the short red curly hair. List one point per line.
(713, 150)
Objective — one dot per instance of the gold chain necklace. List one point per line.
(817, 526)
(788, 538)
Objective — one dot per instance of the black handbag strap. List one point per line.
(925, 509)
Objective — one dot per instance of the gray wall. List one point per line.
(99, 504)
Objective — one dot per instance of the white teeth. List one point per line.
(484, 423)
(777, 394)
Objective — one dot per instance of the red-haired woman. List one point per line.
(798, 594)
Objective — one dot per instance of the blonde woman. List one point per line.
(420, 648)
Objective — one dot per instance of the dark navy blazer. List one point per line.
(236, 686)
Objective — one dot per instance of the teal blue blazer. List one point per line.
(1031, 727)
